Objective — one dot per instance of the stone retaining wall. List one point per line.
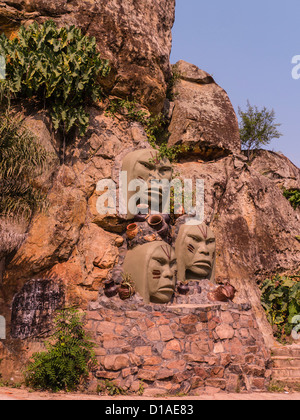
(178, 348)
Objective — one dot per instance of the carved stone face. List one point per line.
(144, 165)
(195, 251)
(161, 274)
(152, 268)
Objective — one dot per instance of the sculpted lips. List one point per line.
(166, 289)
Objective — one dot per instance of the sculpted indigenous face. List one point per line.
(195, 251)
(144, 165)
(152, 268)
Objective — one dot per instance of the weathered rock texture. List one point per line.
(278, 168)
(68, 239)
(34, 306)
(134, 35)
(203, 116)
(255, 226)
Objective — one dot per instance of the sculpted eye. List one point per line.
(165, 169)
(195, 238)
(172, 263)
(161, 261)
(147, 165)
(211, 241)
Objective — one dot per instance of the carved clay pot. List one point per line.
(183, 289)
(155, 221)
(110, 289)
(125, 291)
(229, 291)
(218, 295)
(132, 230)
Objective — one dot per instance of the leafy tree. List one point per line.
(257, 128)
(58, 67)
(69, 356)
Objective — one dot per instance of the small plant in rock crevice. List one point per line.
(293, 195)
(155, 126)
(109, 388)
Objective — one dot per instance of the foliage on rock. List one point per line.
(257, 128)
(155, 126)
(68, 359)
(281, 300)
(58, 67)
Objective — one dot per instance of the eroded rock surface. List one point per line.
(134, 35)
(255, 226)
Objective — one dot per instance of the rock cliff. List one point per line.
(255, 226)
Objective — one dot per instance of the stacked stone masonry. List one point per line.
(178, 349)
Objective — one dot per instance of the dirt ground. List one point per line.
(11, 394)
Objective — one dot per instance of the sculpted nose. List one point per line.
(203, 250)
(168, 274)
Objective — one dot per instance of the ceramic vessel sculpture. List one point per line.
(155, 221)
(110, 289)
(132, 230)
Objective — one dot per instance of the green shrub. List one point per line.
(58, 67)
(68, 359)
(293, 196)
(21, 160)
(281, 300)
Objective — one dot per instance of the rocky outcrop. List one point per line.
(203, 116)
(277, 168)
(249, 214)
(256, 227)
(71, 244)
(135, 37)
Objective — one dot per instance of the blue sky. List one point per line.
(248, 48)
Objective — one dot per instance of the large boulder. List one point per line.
(255, 225)
(203, 116)
(135, 36)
